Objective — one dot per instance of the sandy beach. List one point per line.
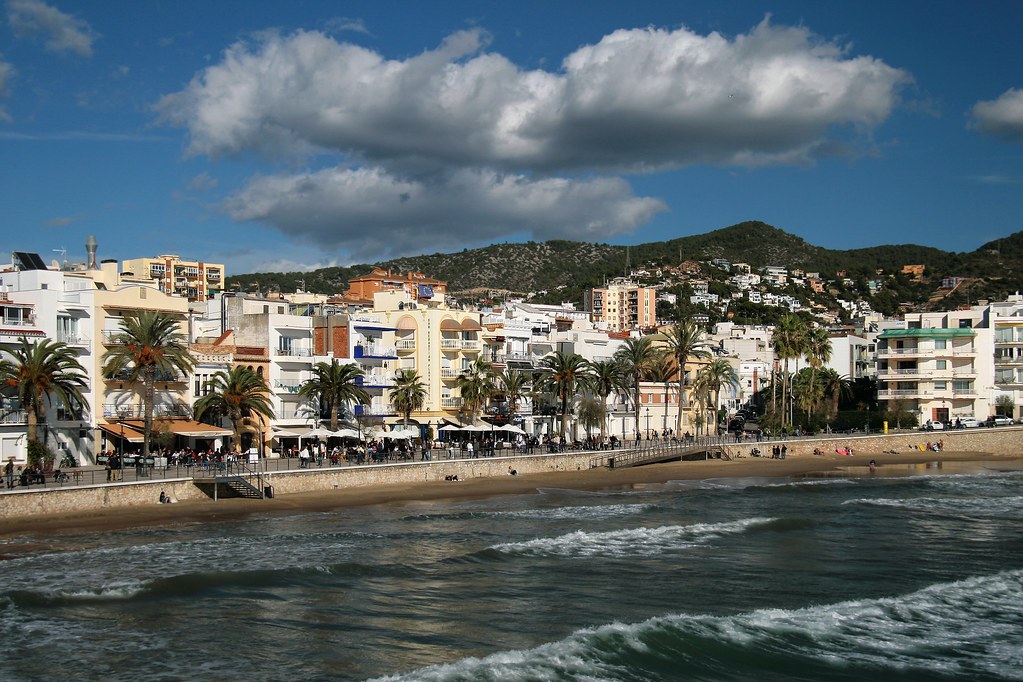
(13, 531)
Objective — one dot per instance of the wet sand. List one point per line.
(20, 536)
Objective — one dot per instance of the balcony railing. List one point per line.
(76, 340)
(451, 344)
(112, 411)
(376, 380)
(406, 344)
(294, 352)
(372, 350)
(449, 373)
(449, 403)
(471, 345)
(13, 417)
(374, 410)
(903, 393)
(160, 377)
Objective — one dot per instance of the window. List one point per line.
(940, 364)
(940, 385)
(965, 324)
(940, 344)
(962, 386)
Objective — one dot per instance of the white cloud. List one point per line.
(460, 145)
(339, 24)
(1002, 117)
(369, 213)
(64, 32)
(638, 99)
(6, 73)
(203, 182)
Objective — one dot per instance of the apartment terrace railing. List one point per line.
(451, 344)
(294, 352)
(13, 417)
(113, 411)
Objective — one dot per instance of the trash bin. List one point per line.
(268, 492)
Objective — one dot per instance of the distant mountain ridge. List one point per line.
(560, 264)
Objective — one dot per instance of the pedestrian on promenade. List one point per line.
(9, 473)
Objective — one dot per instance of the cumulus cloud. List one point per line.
(464, 143)
(6, 73)
(64, 33)
(637, 99)
(369, 212)
(1002, 117)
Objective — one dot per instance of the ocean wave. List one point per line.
(631, 542)
(968, 629)
(1001, 507)
(593, 512)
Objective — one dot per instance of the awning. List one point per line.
(407, 323)
(193, 429)
(449, 325)
(470, 325)
(120, 431)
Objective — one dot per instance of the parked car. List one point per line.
(998, 420)
(968, 423)
(930, 425)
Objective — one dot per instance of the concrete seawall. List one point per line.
(82, 500)
(999, 441)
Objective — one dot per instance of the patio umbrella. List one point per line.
(511, 428)
(404, 433)
(450, 427)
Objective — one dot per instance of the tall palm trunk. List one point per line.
(149, 396)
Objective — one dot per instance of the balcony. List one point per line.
(375, 381)
(18, 416)
(406, 344)
(75, 340)
(451, 403)
(282, 387)
(889, 394)
(294, 352)
(112, 411)
(373, 350)
(373, 410)
(451, 344)
(471, 346)
(1003, 361)
(449, 373)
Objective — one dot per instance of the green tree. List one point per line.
(408, 394)
(662, 369)
(604, 378)
(634, 356)
(334, 384)
(39, 372)
(715, 375)
(590, 414)
(237, 394)
(476, 385)
(835, 387)
(685, 340)
(515, 384)
(561, 374)
(149, 348)
(817, 349)
(788, 338)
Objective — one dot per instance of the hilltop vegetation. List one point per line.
(561, 270)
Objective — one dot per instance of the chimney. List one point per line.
(90, 250)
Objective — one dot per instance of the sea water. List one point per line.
(849, 577)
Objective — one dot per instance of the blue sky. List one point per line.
(289, 136)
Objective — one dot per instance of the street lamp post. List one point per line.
(648, 423)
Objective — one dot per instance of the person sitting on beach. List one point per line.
(872, 466)
(512, 472)
(163, 497)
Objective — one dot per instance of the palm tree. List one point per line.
(817, 349)
(634, 357)
(714, 376)
(684, 341)
(40, 371)
(408, 394)
(789, 335)
(561, 374)
(515, 384)
(237, 394)
(476, 385)
(662, 368)
(335, 384)
(604, 378)
(148, 348)
(835, 386)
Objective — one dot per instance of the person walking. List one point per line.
(9, 473)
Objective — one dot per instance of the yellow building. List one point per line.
(623, 305)
(194, 280)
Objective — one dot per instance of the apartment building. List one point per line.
(193, 280)
(941, 365)
(623, 305)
